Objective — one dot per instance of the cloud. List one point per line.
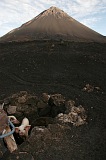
(16, 12)
(90, 21)
(81, 8)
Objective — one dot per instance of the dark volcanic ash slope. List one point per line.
(60, 67)
(53, 24)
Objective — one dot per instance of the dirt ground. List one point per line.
(62, 67)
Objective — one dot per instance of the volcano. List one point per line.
(54, 24)
(75, 69)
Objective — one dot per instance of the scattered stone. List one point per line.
(22, 93)
(14, 96)
(97, 88)
(45, 97)
(88, 88)
(52, 45)
(51, 105)
(11, 109)
(32, 100)
(77, 116)
(22, 99)
(57, 99)
(22, 104)
(69, 104)
(41, 104)
(6, 101)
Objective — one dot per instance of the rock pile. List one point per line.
(76, 116)
(48, 115)
(90, 88)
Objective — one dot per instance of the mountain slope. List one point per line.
(53, 24)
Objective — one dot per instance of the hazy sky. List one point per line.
(13, 13)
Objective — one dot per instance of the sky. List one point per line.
(13, 13)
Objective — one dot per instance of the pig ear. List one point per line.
(16, 129)
(27, 127)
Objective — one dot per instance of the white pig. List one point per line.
(23, 128)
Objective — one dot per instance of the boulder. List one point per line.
(45, 143)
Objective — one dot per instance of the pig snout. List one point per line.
(22, 133)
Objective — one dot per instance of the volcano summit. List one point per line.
(55, 24)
